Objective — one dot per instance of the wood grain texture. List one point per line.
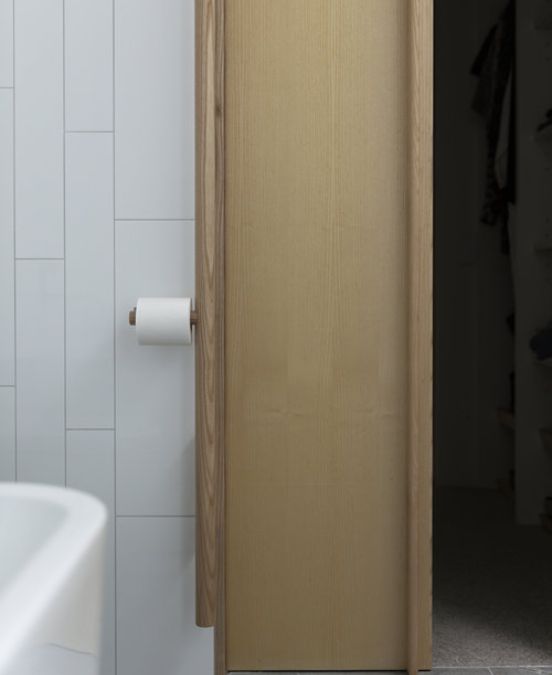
(212, 124)
(420, 199)
(210, 458)
(206, 306)
(220, 665)
(318, 344)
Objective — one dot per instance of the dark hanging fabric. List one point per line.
(547, 122)
(495, 68)
(541, 343)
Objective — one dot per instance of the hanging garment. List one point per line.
(502, 155)
(495, 102)
(547, 123)
(541, 344)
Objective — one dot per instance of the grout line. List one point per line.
(134, 515)
(64, 243)
(115, 603)
(7, 86)
(89, 429)
(89, 131)
(154, 220)
(7, 386)
(39, 259)
(14, 251)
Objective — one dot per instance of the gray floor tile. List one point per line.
(492, 584)
(540, 670)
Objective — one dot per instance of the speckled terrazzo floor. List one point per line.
(492, 585)
(436, 671)
(492, 589)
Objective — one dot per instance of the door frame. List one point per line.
(210, 275)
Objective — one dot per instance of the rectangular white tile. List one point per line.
(39, 128)
(7, 433)
(7, 327)
(155, 385)
(154, 108)
(89, 65)
(91, 468)
(89, 280)
(40, 371)
(6, 43)
(156, 630)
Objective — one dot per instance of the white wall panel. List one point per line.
(91, 467)
(89, 65)
(89, 280)
(39, 128)
(7, 433)
(156, 598)
(154, 108)
(40, 371)
(6, 43)
(7, 327)
(155, 385)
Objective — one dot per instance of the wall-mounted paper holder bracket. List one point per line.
(132, 317)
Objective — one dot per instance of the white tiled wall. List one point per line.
(89, 65)
(89, 285)
(7, 262)
(39, 118)
(154, 110)
(96, 209)
(7, 432)
(155, 385)
(6, 43)
(155, 617)
(39, 384)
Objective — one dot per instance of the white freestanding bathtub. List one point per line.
(51, 569)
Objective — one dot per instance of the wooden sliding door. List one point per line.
(314, 337)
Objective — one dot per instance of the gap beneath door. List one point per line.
(492, 584)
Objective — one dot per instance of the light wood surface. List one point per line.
(308, 198)
(420, 200)
(323, 355)
(220, 661)
(210, 261)
(209, 305)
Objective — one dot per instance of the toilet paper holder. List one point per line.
(132, 317)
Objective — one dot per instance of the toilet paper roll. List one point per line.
(164, 321)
